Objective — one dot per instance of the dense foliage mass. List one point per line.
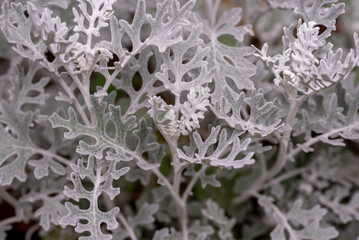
(216, 119)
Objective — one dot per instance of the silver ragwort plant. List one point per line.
(216, 119)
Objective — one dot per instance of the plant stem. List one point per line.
(181, 208)
(7, 197)
(283, 143)
(110, 205)
(192, 183)
(281, 178)
(77, 104)
(80, 86)
(125, 224)
(312, 141)
(31, 231)
(255, 185)
(85, 94)
(168, 185)
(184, 221)
(123, 64)
(282, 217)
(174, 188)
(286, 176)
(9, 221)
(282, 155)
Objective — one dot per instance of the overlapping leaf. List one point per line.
(17, 28)
(50, 194)
(233, 69)
(26, 89)
(333, 198)
(214, 213)
(192, 111)
(90, 22)
(16, 141)
(122, 151)
(144, 217)
(262, 118)
(317, 12)
(136, 72)
(287, 224)
(286, 4)
(308, 62)
(336, 124)
(226, 152)
(165, 26)
(102, 183)
(180, 71)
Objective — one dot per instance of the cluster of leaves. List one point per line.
(167, 101)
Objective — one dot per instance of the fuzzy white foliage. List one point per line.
(336, 124)
(226, 152)
(346, 211)
(179, 72)
(214, 213)
(101, 10)
(230, 62)
(198, 62)
(52, 209)
(93, 215)
(262, 119)
(103, 141)
(288, 222)
(165, 28)
(308, 62)
(193, 110)
(16, 141)
(17, 30)
(317, 11)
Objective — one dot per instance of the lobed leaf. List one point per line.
(232, 68)
(225, 153)
(333, 198)
(309, 220)
(214, 213)
(262, 118)
(102, 183)
(122, 151)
